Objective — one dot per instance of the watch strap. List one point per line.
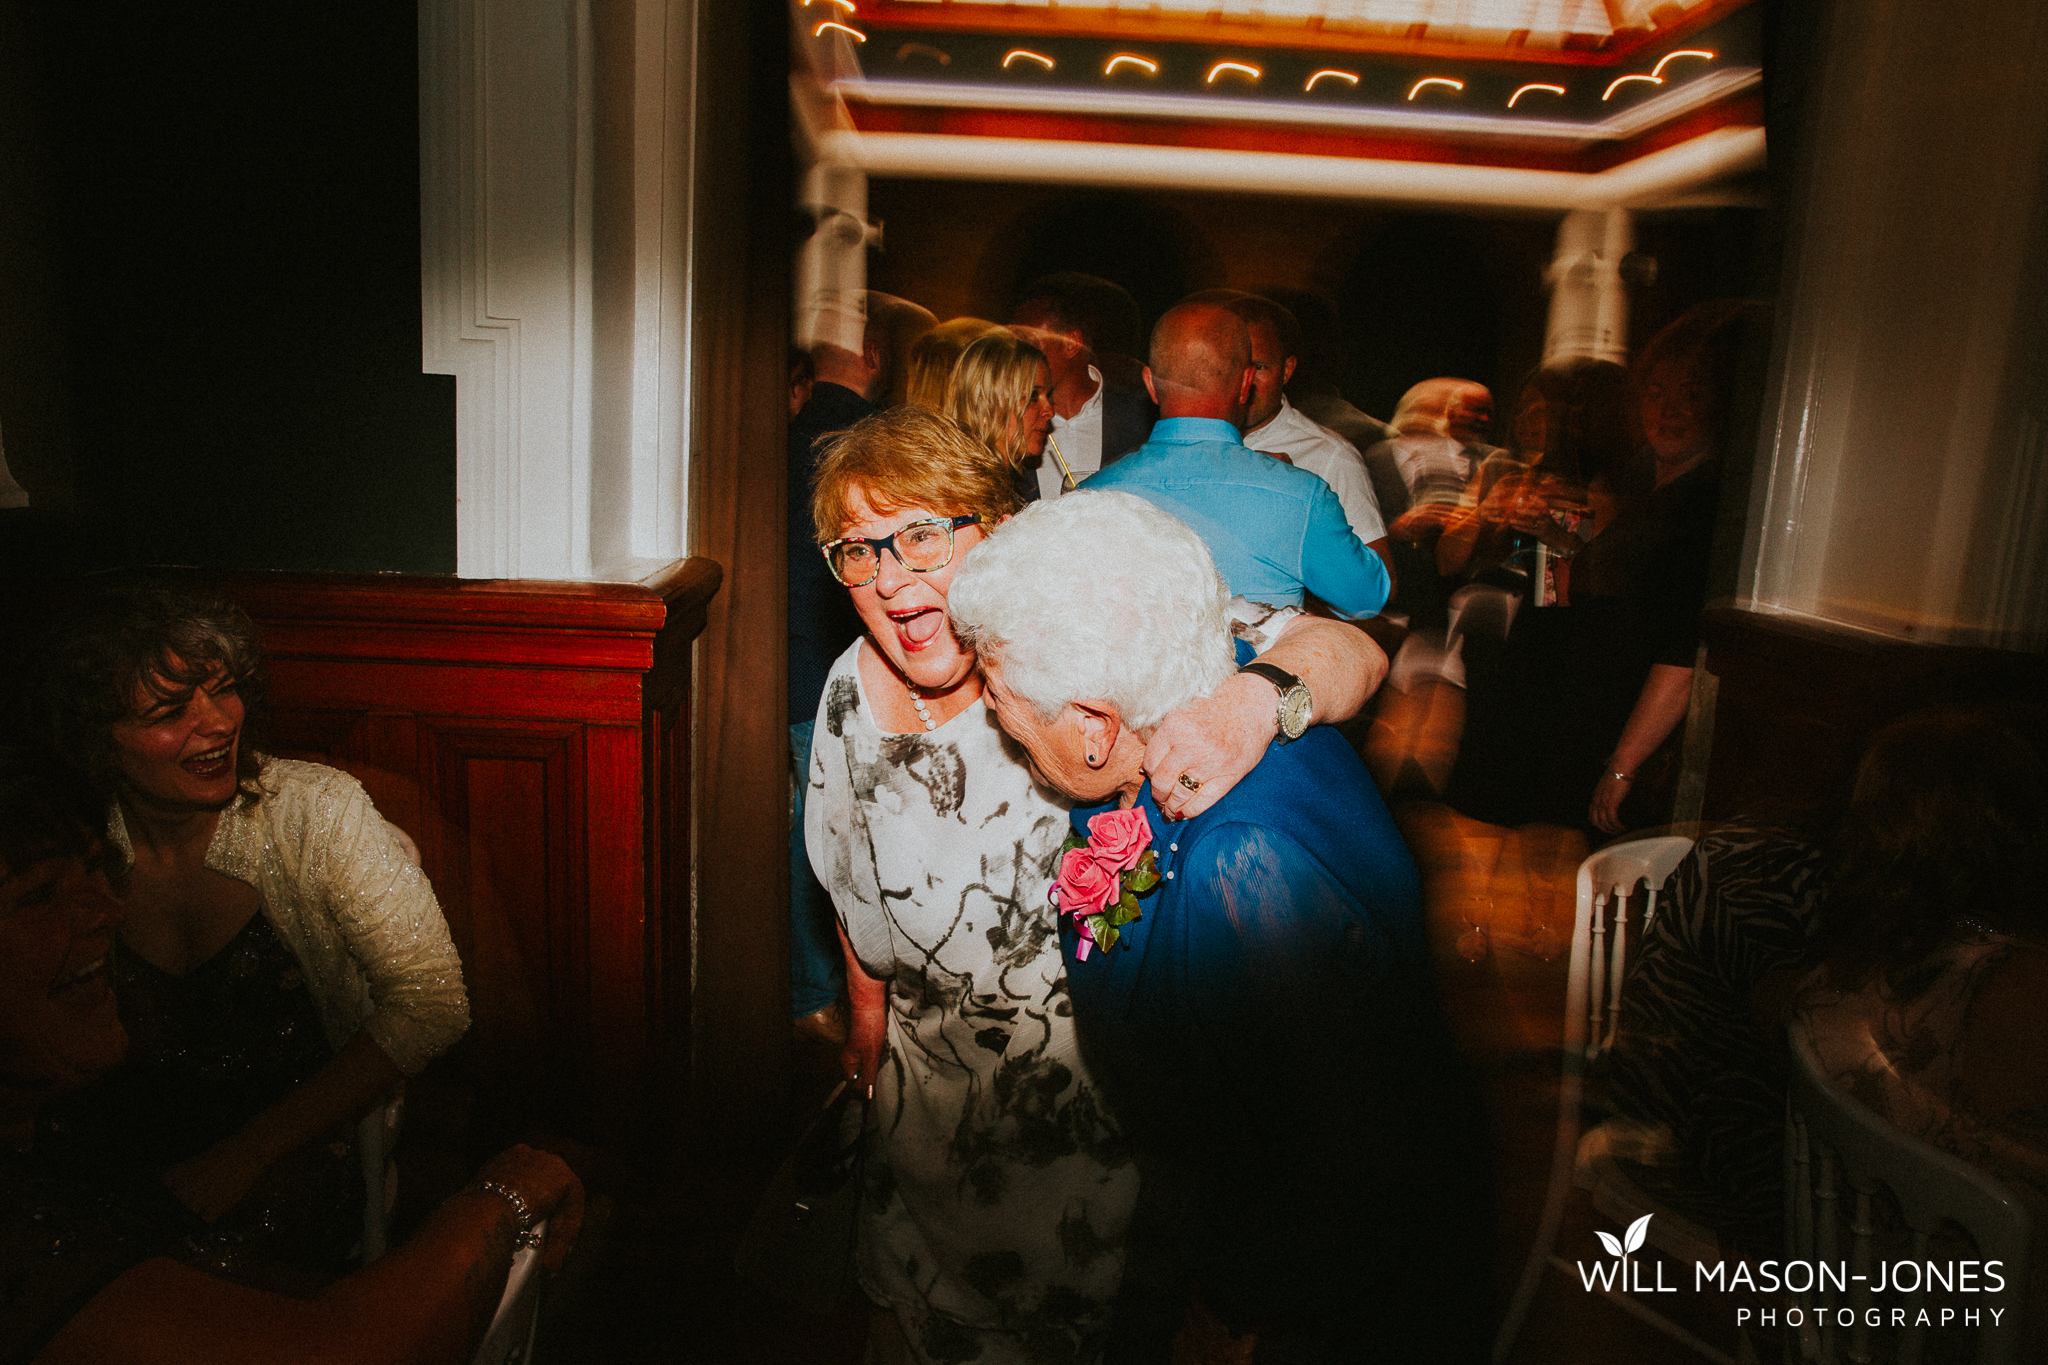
(1273, 674)
(1295, 699)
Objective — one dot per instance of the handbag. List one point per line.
(799, 1245)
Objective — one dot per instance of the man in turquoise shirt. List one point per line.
(1273, 530)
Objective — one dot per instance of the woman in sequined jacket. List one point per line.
(283, 962)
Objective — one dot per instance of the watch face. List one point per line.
(1295, 705)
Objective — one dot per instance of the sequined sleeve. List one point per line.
(361, 916)
(387, 913)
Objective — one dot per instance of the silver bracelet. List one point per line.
(1620, 776)
(527, 1236)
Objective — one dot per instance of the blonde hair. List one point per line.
(907, 457)
(936, 352)
(991, 384)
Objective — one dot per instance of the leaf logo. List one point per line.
(1632, 1240)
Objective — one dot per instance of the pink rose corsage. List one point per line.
(1102, 876)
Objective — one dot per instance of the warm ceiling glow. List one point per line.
(1548, 22)
(1553, 89)
(1348, 77)
(847, 5)
(1151, 67)
(1239, 67)
(1426, 81)
(1620, 81)
(1016, 52)
(819, 31)
(1671, 57)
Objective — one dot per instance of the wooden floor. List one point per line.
(663, 1289)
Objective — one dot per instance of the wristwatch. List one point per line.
(1296, 702)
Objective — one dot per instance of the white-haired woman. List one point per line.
(1000, 1186)
(1266, 1023)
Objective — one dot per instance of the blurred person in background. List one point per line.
(803, 373)
(1000, 395)
(1563, 721)
(1276, 532)
(1930, 1000)
(1314, 388)
(1274, 427)
(933, 356)
(1573, 435)
(1911, 939)
(1089, 330)
(1432, 456)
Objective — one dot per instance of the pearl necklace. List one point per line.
(917, 700)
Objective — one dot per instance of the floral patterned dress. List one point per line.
(999, 1186)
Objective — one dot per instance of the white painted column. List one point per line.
(508, 232)
(1902, 477)
(640, 506)
(1588, 299)
(505, 219)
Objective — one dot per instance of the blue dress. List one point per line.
(1268, 1032)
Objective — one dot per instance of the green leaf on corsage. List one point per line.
(1144, 876)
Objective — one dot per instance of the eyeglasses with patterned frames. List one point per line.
(921, 547)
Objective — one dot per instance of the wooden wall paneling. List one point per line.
(510, 811)
(739, 1016)
(616, 984)
(1798, 701)
(668, 873)
(533, 740)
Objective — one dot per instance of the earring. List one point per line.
(1091, 758)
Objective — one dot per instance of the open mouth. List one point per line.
(212, 763)
(84, 987)
(917, 629)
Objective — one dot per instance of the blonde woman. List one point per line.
(1001, 396)
(936, 352)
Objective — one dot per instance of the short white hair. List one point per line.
(1097, 596)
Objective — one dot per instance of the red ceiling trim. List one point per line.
(1066, 21)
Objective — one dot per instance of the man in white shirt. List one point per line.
(1276, 427)
(1095, 421)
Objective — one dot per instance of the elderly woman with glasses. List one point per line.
(1251, 985)
(999, 1185)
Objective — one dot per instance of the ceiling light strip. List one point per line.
(1627, 122)
(1669, 173)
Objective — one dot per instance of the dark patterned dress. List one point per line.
(999, 1188)
(1695, 1082)
(208, 1052)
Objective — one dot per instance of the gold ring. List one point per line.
(1193, 784)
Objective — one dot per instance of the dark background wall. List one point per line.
(209, 266)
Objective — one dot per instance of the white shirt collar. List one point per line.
(1090, 410)
(1277, 423)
